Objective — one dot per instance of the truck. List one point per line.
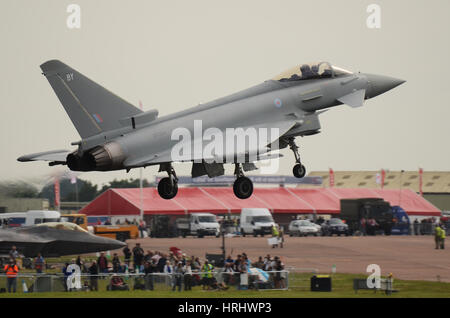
(162, 226)
(353, 210)
(120, 232)
(198, 224)
(256, 221)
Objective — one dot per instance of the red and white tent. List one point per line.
(115, 202)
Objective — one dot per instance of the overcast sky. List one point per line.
(172, 55)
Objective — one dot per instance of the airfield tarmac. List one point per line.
(407, 257)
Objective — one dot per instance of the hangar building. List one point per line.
(435, 184)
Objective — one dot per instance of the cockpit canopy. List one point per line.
(63, 226)
(311, 71)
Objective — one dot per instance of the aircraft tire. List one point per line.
(166, 190)
(243, 187)
(299, 170)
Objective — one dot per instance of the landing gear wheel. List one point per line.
(299, 170)
(243, 187)
(167, 189)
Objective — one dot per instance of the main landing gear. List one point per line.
(243, 186)
(299, 170)
(168, 187)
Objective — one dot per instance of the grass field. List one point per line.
(298, 288)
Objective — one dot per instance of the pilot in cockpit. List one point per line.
(315, 70)
(306, 71)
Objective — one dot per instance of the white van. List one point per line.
(37, 217)
(13, 219)
(199, 224)
(32, 217)
(256, 221)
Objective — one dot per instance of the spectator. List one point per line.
(66, 275)
(13, 253)
(141, 228)
(207, 269)
(138, 257)
(148, 256)
(108, 221)
(81, 265)
(280, 236)
(267, 263)
(149, 269)
(416, 227)
(245, 259)
(168, 268)
(229, 260)
(116, 263)
(187, 270)
(162, 263)
(275, 234)
(183, 259)
(362, 225)
(228, 277)
(93, 275)
(279, 279)
(11, 271)
(439, 237)
(242, 268)
(102, 263)
(371, 226)
(237, 263)
(260, 263)
(127, 255)
(117, 283)
(155, 258)
(78, 261)
(178, 276)
(196, 264)
(39, 263)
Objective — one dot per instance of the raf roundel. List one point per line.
(277, 102)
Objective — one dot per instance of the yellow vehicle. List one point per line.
(117, 232)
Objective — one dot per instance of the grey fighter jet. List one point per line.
(54, 239)
(117, 135)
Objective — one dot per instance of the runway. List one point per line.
(407, 257)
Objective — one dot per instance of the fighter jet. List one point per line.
(117, 135)
(54, 239)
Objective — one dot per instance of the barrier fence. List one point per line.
(427, 228)
(26, 283)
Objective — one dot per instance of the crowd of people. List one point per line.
(11, 269)
(181, 271)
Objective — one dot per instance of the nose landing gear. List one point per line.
(168, 187)
(243, 186)
(299, 170)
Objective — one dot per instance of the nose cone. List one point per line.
(379, 84)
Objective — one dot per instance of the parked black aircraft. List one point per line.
(54, 239)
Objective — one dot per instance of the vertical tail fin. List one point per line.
(92, 108)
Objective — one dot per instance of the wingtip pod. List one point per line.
(23, 158)
(52, 65)
(54, 155)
